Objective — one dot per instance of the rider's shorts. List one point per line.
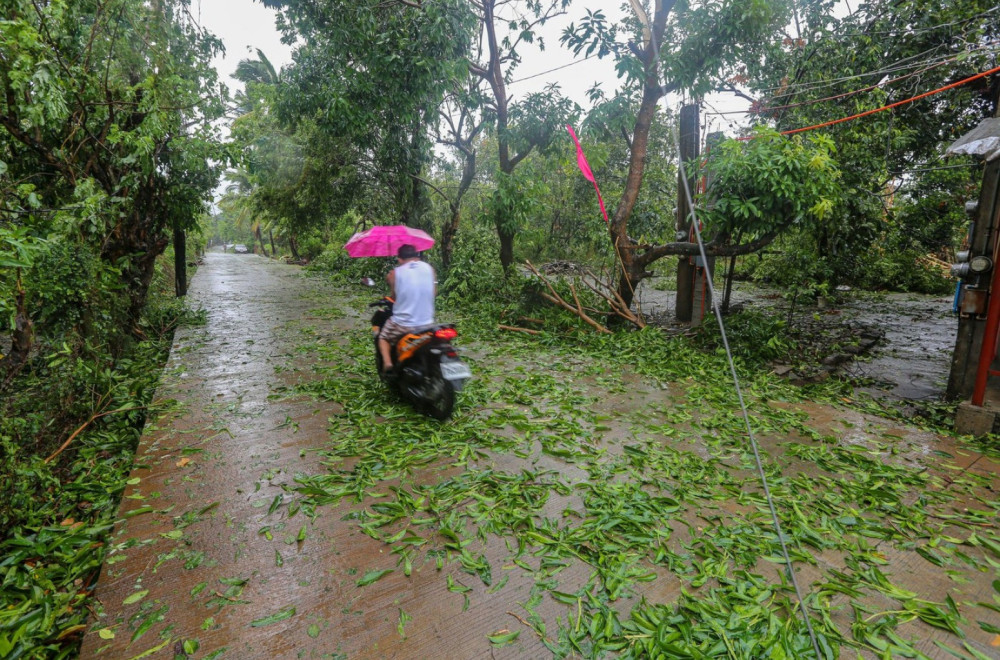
(392, 331)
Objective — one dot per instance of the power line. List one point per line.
(775, 520)
(888, 69)
(930, 65)
(929, 28)
(789, 567)
(893, 105)
(856, 91)
(558, 68)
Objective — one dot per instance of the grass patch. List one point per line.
(57, 516)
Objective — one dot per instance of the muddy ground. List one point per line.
(910, 361)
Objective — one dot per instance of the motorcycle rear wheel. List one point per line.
(439, 397)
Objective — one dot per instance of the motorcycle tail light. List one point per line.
(451, 354)
(446, 333)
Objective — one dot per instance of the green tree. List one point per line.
(458, 59)
(689, 47)
(882, 52)
(106, 132)
(372, 74)
(519, 127)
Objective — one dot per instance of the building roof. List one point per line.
(982, 141)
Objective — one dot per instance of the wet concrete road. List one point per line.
(201, 568)
(189, 556)
(210, 559)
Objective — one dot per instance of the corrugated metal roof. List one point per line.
(982, 141)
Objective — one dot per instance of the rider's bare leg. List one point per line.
(383, 347)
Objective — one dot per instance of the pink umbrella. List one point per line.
(385, 240)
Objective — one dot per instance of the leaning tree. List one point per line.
(692, 48)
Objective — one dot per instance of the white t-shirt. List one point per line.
(414, 304)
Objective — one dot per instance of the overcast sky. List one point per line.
(244, 25)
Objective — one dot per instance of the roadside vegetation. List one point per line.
(107, 152)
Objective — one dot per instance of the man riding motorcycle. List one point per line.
(414, 286)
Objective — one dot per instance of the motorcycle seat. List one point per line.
(431, 328)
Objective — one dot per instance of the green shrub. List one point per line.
(903, 271)
(474, 273)
(70, 379)
(310, 248)
(335, 262)
(755, 336)
(68, 287)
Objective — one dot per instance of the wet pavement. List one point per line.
(914, 357)
(189, 556)
(215, 556)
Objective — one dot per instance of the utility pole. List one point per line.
(977, 289)
(689, 134)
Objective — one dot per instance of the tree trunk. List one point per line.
(630, 274)
(270, 235)
(22, 335)
(629, 271)
(729, 285)
(499, 87)
(137, 242)
(180, 262)
(451, 229)
(506, 248)
(293, 245)
(260, 239)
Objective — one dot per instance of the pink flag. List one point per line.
(581, 160)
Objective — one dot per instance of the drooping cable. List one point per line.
(789, 568)
(896, 104)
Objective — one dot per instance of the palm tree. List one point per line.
(239, 193)
(259, 70)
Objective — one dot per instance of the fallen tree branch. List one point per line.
(616, 303)
(565, 305)
(85, 425)
(556, 299)
(516, 329)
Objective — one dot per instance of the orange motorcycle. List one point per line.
(428, 371)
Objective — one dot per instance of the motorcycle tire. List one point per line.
(439, 399)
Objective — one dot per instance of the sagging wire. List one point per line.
(548, 71)
(890, 106)
(789, 568)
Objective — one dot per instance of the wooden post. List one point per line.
(689, 135)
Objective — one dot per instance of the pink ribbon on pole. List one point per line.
(581, 161)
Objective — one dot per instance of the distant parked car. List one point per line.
(239, 248)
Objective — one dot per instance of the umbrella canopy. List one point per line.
(385, 241)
